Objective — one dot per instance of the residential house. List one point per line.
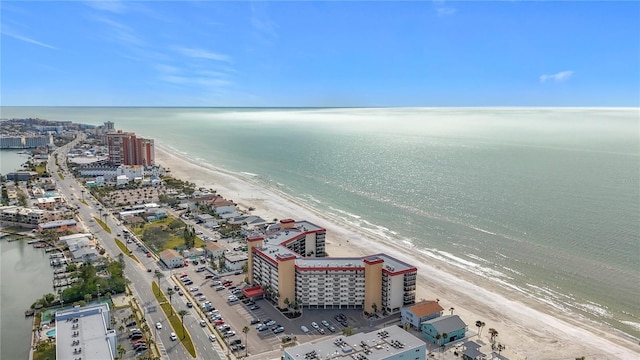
(58, 225)
(235, 260)
(443, 329)
(85, 254)
(213, 249)
(420, 312)
(171, 258)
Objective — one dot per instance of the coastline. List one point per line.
(529, 328)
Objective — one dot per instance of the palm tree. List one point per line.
(451, 309)
(182, 314)
(374, 306)
(159, 276)
(121, 349)
(286, 302)
(245, 330)
(438, 337)
(478, 325)
(494, 334)
(482, 324)
(170, 292)
(445, 336)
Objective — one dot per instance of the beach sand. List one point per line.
(528, 328)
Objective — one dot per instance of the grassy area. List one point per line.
(41, 170)
(164, 234)
(174, 319)
(45, 351)
(60, 175)
(102, 224)
(124, 249)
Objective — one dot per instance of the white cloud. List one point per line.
(557, 77)
(202, 54)
(29, 40)
(113, 6)
(442, 9)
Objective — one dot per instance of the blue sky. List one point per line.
(301, 53)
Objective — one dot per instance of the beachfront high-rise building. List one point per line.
(284, 266)
(125, 148)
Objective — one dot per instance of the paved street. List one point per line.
(136, 273)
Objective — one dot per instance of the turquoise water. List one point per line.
(51, 333)
(543, 201)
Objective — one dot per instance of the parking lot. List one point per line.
(238, 314)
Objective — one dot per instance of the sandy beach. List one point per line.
(529, 329)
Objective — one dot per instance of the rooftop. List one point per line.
(447, 323)
(377, 345)
(89, 323)
(426, 307)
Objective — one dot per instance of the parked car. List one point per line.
(255, 321)
(315, 325)
(270, 322)
(254, 307)
(278, 330)
(229, 334)
(262, 327)
(304, 329)
(325, 323)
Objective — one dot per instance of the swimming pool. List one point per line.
(51, 333)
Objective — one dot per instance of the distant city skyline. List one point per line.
(320, 54)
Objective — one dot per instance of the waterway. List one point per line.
(25, 275)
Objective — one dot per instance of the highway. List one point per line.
(137, 273)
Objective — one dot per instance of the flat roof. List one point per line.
(376, 345)
(90, 324)
(299, 229)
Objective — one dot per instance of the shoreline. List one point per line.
(529, 328)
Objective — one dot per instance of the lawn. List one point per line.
(45, 351)
(124, 249)
(164, 234)
(102, 224)
(174, 319)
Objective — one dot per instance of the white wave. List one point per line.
(345, 213)
(483, 230)
(633, 324)
(594, 309)
(313, 199)
(248, 173)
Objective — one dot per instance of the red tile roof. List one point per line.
(425, 308)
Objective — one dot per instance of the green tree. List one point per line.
(170, 292)
(494, 334)
(438, 337)
(159, 276)
(245, 330)
(348, 331)
(445, 336)
(182, 314)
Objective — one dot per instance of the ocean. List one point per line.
(545, 202)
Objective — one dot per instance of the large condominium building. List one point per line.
(125, 148)
(389, 343)
(290, 266)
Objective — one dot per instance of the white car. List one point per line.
(158, 326)
(203, 323)
(194, 289)
(173, 336)
(315, 325)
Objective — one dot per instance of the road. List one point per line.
(140, 279)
